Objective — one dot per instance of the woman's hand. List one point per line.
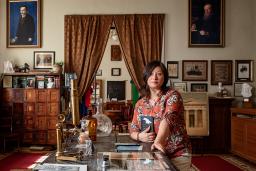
(158, 146)
(146, 136)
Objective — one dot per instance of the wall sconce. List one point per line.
(113, 34)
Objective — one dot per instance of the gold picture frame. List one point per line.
(206, 23)
(23, 33)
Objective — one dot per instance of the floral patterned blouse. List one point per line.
(168, 106)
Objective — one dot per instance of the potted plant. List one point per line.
(57, 67)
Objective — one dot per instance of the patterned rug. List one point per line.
(238, 162)
(21, 160)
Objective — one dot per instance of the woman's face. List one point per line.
(156, 79)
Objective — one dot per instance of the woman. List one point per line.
(165, 106)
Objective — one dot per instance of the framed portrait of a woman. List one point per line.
(206, 23)
(23, 23)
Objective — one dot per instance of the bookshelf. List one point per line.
(34, 98)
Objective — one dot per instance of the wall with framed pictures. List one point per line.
(175, 41)
(221, 71)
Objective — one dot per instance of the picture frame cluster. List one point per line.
(39, 81)
(220, 71)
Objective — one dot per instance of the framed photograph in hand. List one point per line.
(23, 23)
(206, 23)
(244, 70)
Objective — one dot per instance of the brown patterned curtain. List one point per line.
(86, 37)
(141, 37)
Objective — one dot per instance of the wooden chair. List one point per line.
(7, 131)
(126, 117)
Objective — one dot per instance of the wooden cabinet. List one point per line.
(243, 134)
(218, 140)
(36, 107)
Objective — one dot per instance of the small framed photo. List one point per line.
(99, 72)
(198, 87)
(50, 82)
(7, 81)
(244, 70)
(221, 71)
(180, 86)
(206, 23)
(194, 70)
(44, 59)
(238, 89)
(115, 71)
(116, 54)
(40, 84)
(31, 82)
(173, 69)
(23, 23)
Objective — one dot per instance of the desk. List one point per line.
(106, 144)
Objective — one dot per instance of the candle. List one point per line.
(74, 102)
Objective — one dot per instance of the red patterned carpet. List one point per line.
(20, 160)
(226, 162)
(213, 163)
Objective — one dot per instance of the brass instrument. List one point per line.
(63, 132)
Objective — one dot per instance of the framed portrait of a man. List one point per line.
(23, 23)
(206, 23)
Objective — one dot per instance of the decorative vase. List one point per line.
(104, 123)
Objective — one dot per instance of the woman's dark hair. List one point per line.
(148, 71)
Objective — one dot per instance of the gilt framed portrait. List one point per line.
(173, 69)
(116, 54)
(244, 70)
(206, 23)
(194, 70)
(44, 59)
(23, 23)
(221, 71)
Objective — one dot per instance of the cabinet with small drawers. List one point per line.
(37, 107)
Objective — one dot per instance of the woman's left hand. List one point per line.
(158, 146)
